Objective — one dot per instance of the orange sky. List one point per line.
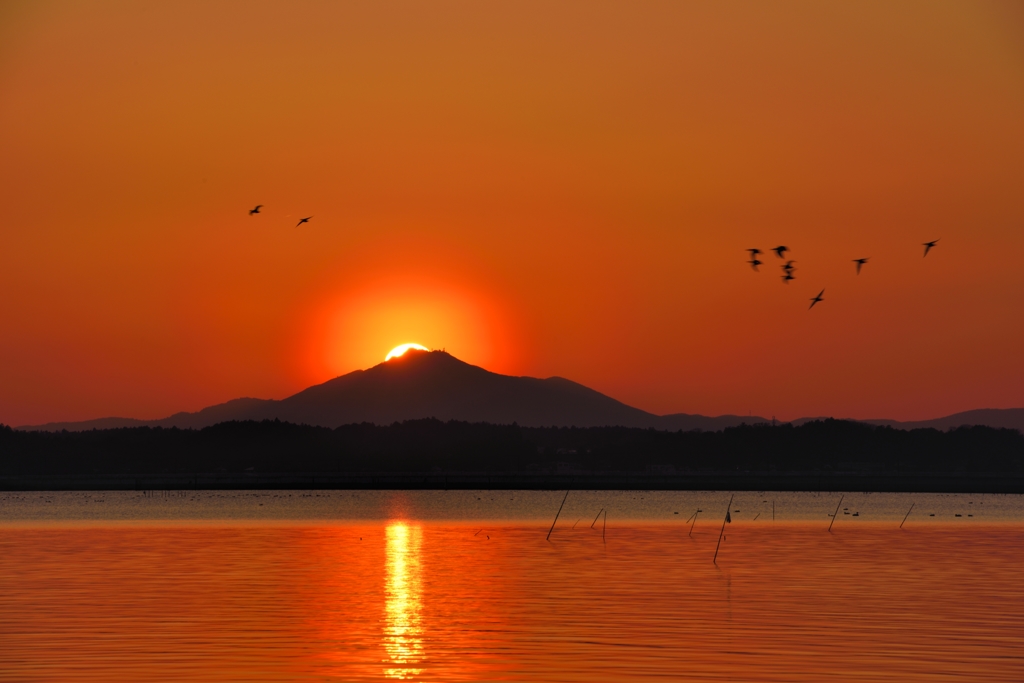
(540, 188)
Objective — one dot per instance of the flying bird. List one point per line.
(304, 220)
(787, 277)
(256, 210)
(788, 267)
(754, 253)
(780, 251)
(816, 299)
(754, 263)
(928, 246)
(860, 262)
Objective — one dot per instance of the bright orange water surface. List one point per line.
(448, 601)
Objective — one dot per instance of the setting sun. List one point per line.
(402, 348)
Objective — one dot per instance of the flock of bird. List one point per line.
(788, 267)
(256, 210)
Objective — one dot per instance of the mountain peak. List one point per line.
(412, 366)
(418, 358)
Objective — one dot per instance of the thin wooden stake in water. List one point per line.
(694, 522)
(836, 513)
(908, 514)
(597, 518)
(556, 515)
(722, 533)
(604, 526)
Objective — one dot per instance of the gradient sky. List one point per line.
(540, 188)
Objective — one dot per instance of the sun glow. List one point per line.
(350, 325)
(402, 348)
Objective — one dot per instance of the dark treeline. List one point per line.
(829, 446)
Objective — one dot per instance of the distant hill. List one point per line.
(1007, 418)
(435, 384)
(422, 384)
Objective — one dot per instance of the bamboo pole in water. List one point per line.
(556, 515)
(836, 513)
(604, 527)
(597, 518)
(694, 522)
(722, 532)
(908, 514)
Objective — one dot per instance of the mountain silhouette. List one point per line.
(421, 384)
(424, 384)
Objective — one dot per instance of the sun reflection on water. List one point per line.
(402, 608)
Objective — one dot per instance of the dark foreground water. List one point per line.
(463, 586)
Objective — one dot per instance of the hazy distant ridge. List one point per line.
(436, 384)
(1006, 418)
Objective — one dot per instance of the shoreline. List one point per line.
(523, 482)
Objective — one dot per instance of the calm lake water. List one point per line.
(463, 586)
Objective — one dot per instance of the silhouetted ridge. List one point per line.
(435, 384)
(422, 384)
(430, 384)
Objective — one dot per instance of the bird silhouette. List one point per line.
(928, 246)
(787, 277)
(754, 263)
(816, 299)
(788, 267)
(860, 262)
(754, 253)
(256, 210)
(780, 251)
(304, 220)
